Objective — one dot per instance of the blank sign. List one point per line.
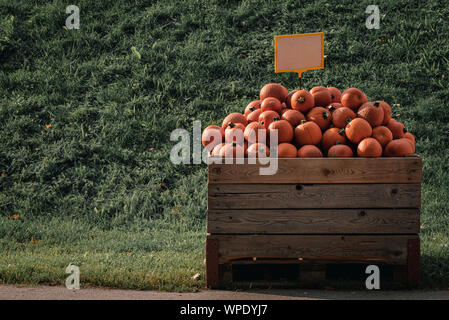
(299, 52)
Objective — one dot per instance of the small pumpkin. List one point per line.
(302, 100)
(308, 133)
(321, 116)
(331, 137)
(369, 148)
(353, 98)
(267, 117)
(284, 130)
(274, 90)
(232, 150)
(357, 130)
(383, 135)
(309, 151)
(289, 98)
(293, 116)
(253, 105)
(258, 150)
(234, 133)
(342, 116)
(397, 128)
(387, 111)
(271, 103)
(286, 150)
(335, 94)
(340, 151)
(209, 136)
(234, 117)
(253, 132)
(371, 112)
(410, 136)
(253, 116)
(216, 150)
(321, 96)
(334, 106)
(399, 148)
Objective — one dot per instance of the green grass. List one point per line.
(90, 190)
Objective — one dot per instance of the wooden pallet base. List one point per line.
(397, 258)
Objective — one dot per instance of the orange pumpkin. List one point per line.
(369, 148)
(398, 148)
(321, 116)
(342, 116)
(289, 98)
(371, 112)
(216, 150)
(357, 130)
(234, 133)
(232, 150)
(309, 151)
(387, 111)
(383, 135)
(353, 98)
(308, 133)
(234, 117)
(253, 116)
(302, 100)
(271, 103)
(253, 105)
(335, 94)
(410, 136)
(267, 117)
(252, 131)
(209, 136)
(274, 90)
(331, 137)
(334, 106)
(321, 96)
(287, 150)
(340, 151)
(397, 128)
(284, 130)
(293, 116)
(258, 150)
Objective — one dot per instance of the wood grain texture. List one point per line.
(322, 170)
(315, 248)
(308, 221)
(314, 196)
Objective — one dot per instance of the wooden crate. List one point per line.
(314, 212)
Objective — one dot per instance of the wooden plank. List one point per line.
(413, 261)
(212, 269)
(316, 248)
(322, 170)
(306, 221)
(315, 196)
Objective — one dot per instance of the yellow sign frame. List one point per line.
(301, 70)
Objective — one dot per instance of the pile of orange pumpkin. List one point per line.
(311, 124)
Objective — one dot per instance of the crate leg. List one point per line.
(413, 257)
(312, 275)
(212, 270)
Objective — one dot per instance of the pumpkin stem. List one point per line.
(276, 119)
(231, 124)
(303, 121)
(376, 104)
(325, 115)
(252, 109)
(341, 132)
(405, 130)
(332, 96)
(348, 119)
(338, 143)
(331, 108)
(301, 99)
(234, 144)
(261, 122)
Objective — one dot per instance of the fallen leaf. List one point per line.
(196, 276)
(34, 240)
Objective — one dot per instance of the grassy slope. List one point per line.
(90, 191)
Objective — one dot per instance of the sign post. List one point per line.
(299, 53)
